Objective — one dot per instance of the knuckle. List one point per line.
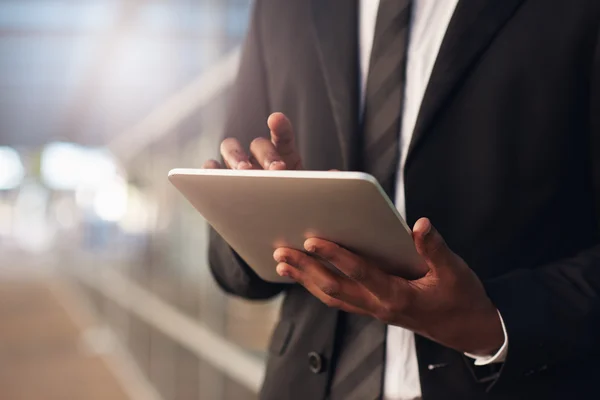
(284, 139)
(357, 272)
(257, 142)
(331, 288)
(385, 312)
(231, 149)
(329, 250)
(435, 248)
(228, 143)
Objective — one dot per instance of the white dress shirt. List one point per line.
(430, 20)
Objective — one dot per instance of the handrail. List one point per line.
(240, 366)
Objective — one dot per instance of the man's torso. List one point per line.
(500, 161)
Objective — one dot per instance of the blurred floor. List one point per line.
(42, 351)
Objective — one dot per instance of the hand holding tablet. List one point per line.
(317, 220)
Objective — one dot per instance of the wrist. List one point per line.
(488, 336)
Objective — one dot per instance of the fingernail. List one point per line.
(427, 230)
(280, 258)
(276, 164)
(281, 270)
(310, 247)
(244, 165)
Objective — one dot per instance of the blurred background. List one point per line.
(105, 291)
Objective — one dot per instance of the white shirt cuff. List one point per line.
(500, 355)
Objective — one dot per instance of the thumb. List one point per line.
(430, 244)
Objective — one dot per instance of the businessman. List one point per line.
(481, 119)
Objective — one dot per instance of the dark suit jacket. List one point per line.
(505, 160)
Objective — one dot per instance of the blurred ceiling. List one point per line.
(85, 70)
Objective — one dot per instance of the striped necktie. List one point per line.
(385, 91)
(358, 373)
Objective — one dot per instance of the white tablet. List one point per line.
(258, 211)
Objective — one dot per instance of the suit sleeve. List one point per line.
(246, 120)
(552, 313)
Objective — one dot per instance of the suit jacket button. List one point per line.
(431, 367)
(315, 362)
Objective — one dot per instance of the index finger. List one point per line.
(284, 140)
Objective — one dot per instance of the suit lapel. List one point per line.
(472, 28)
(336, 37)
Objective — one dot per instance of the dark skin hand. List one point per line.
(278, 153)
(448, 305)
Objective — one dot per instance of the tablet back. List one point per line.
(259, 211)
